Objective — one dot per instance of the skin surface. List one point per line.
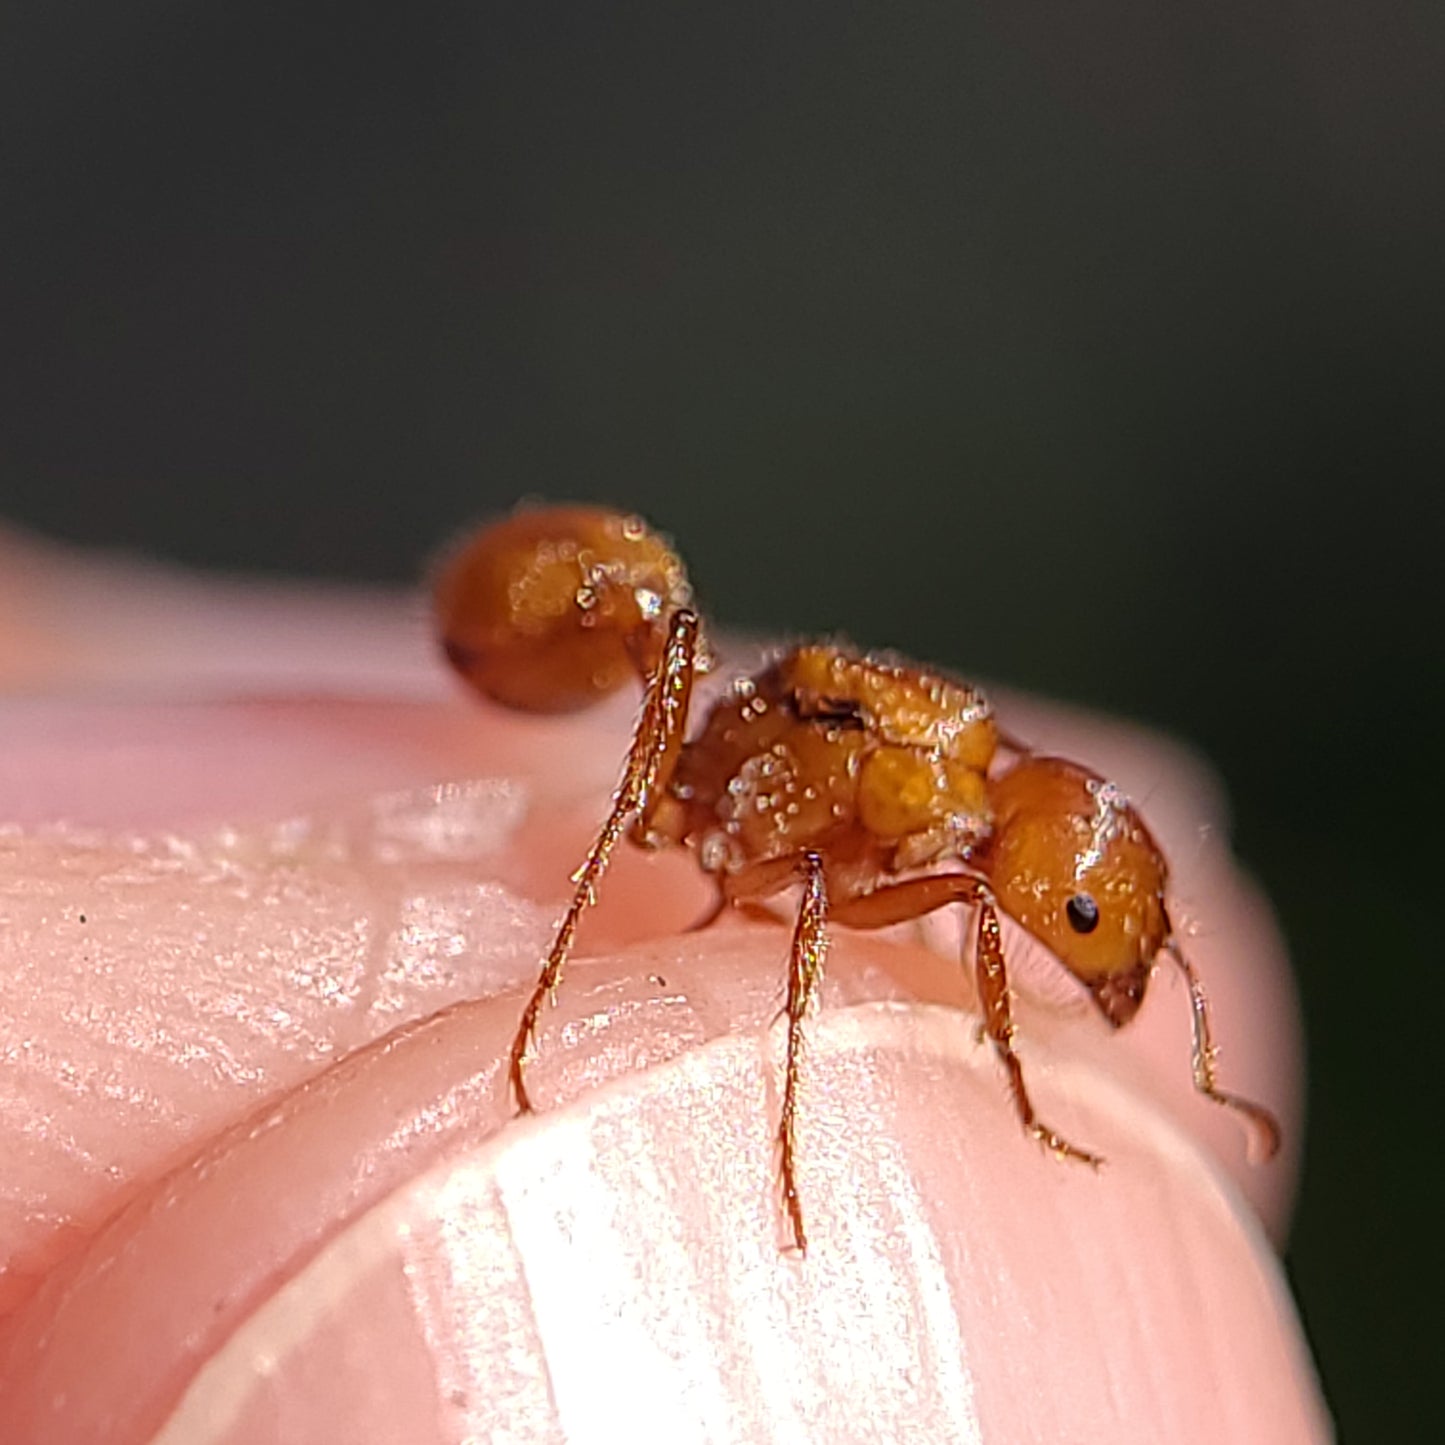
(272, 890)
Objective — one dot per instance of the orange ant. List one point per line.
(856, 776)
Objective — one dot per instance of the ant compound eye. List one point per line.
(1083, 913)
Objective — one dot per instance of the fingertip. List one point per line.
(404, 1259)
(631, 1246)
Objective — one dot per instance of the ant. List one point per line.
(887, 790)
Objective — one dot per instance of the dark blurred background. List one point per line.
(1092, 347)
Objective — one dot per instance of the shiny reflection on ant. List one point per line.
(885, 789)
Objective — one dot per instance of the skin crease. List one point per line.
(272, 886)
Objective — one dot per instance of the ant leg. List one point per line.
(751, 883)
(1266, 1126)
(805, 974)
(806, 955)
(656, 742)
(998, 1020)
(715, 910)
(1013, 743)
(745, 889)
(900, 902)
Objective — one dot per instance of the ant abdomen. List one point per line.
(552, 609)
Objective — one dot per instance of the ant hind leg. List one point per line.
(656, 742)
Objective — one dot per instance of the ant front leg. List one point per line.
(903, 902)
(656, 742)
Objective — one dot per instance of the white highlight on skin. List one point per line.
(458, 821)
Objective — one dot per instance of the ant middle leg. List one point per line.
(656, 742)
(746, 889)
(902, 902)
(806, 956)
(805, 974)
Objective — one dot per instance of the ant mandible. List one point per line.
(859, 777)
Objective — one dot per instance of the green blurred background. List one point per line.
(1092, 347)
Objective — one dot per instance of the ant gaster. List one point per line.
(884, 789)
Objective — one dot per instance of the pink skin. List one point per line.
(262, 1179)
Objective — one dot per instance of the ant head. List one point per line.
(552, 608)
(1074, 864)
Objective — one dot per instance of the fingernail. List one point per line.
(615, 1268)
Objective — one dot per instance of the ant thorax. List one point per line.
(877, 765)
